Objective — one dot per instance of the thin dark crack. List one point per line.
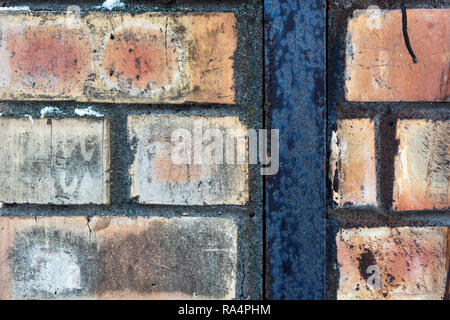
(405, 32)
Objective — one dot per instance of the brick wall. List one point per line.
(91, 204)
(389, 128)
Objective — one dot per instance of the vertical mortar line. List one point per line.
(377, 119)
(387, 151)
(103, 163)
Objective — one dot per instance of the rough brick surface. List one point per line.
(157, 179)
(379, 67)
(118, 57)
(63, 161)
(421, 165)
(117, 258)
(411, 263)
(352, 163)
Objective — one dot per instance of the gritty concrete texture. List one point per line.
(118, 57)
(59, 161)
(118, 258)
(411, 263)
(379, 67)
(352, 163)
(156, 179)
(421, 165)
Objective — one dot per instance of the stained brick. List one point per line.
(117, 258)
(64, 161)
(352, 163)
(156, 179)
(44, 59)
(411, 263)
(118, 57)
(379, 67)
(421, 165)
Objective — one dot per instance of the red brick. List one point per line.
(117, 258)
(140, 58)
(421, 165)
(45, 60)
(118, 57)
(379, 67)
(352, 163)
(411, 263)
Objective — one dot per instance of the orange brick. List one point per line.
(421, 165)
(156, 179)
(117, 258)
(379, 67)
(352, 163)
(410, 262)
(118, 57)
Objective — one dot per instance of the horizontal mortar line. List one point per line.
(376, 217)
(144, 106)
(195, 6)
(395, 105)
(126, 210)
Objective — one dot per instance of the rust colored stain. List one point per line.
(411, 263)
(421, 165)
(379, 66)
(140, 58)
(166, 171)
(49, 59)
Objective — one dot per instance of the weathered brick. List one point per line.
(421, 165)
(58, 161)
(352, 163)
(117, 57)
(411, 263)
(40, 60)
(156, 179)
(117, 258)
(379, 67)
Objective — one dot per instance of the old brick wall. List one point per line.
(91, 206)
(388, 138)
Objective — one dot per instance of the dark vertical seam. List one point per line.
(264, 198)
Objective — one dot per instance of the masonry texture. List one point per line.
(118, 258)
(200, 179)
(389, 212)
(354, 147)
(412, 263)
(378, 67)
(91, 204)
(59, 161)
(144, 58)
(422, 165)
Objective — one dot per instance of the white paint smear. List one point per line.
(111, 4)
(49, 111)
(19, 8)
(88, 112)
